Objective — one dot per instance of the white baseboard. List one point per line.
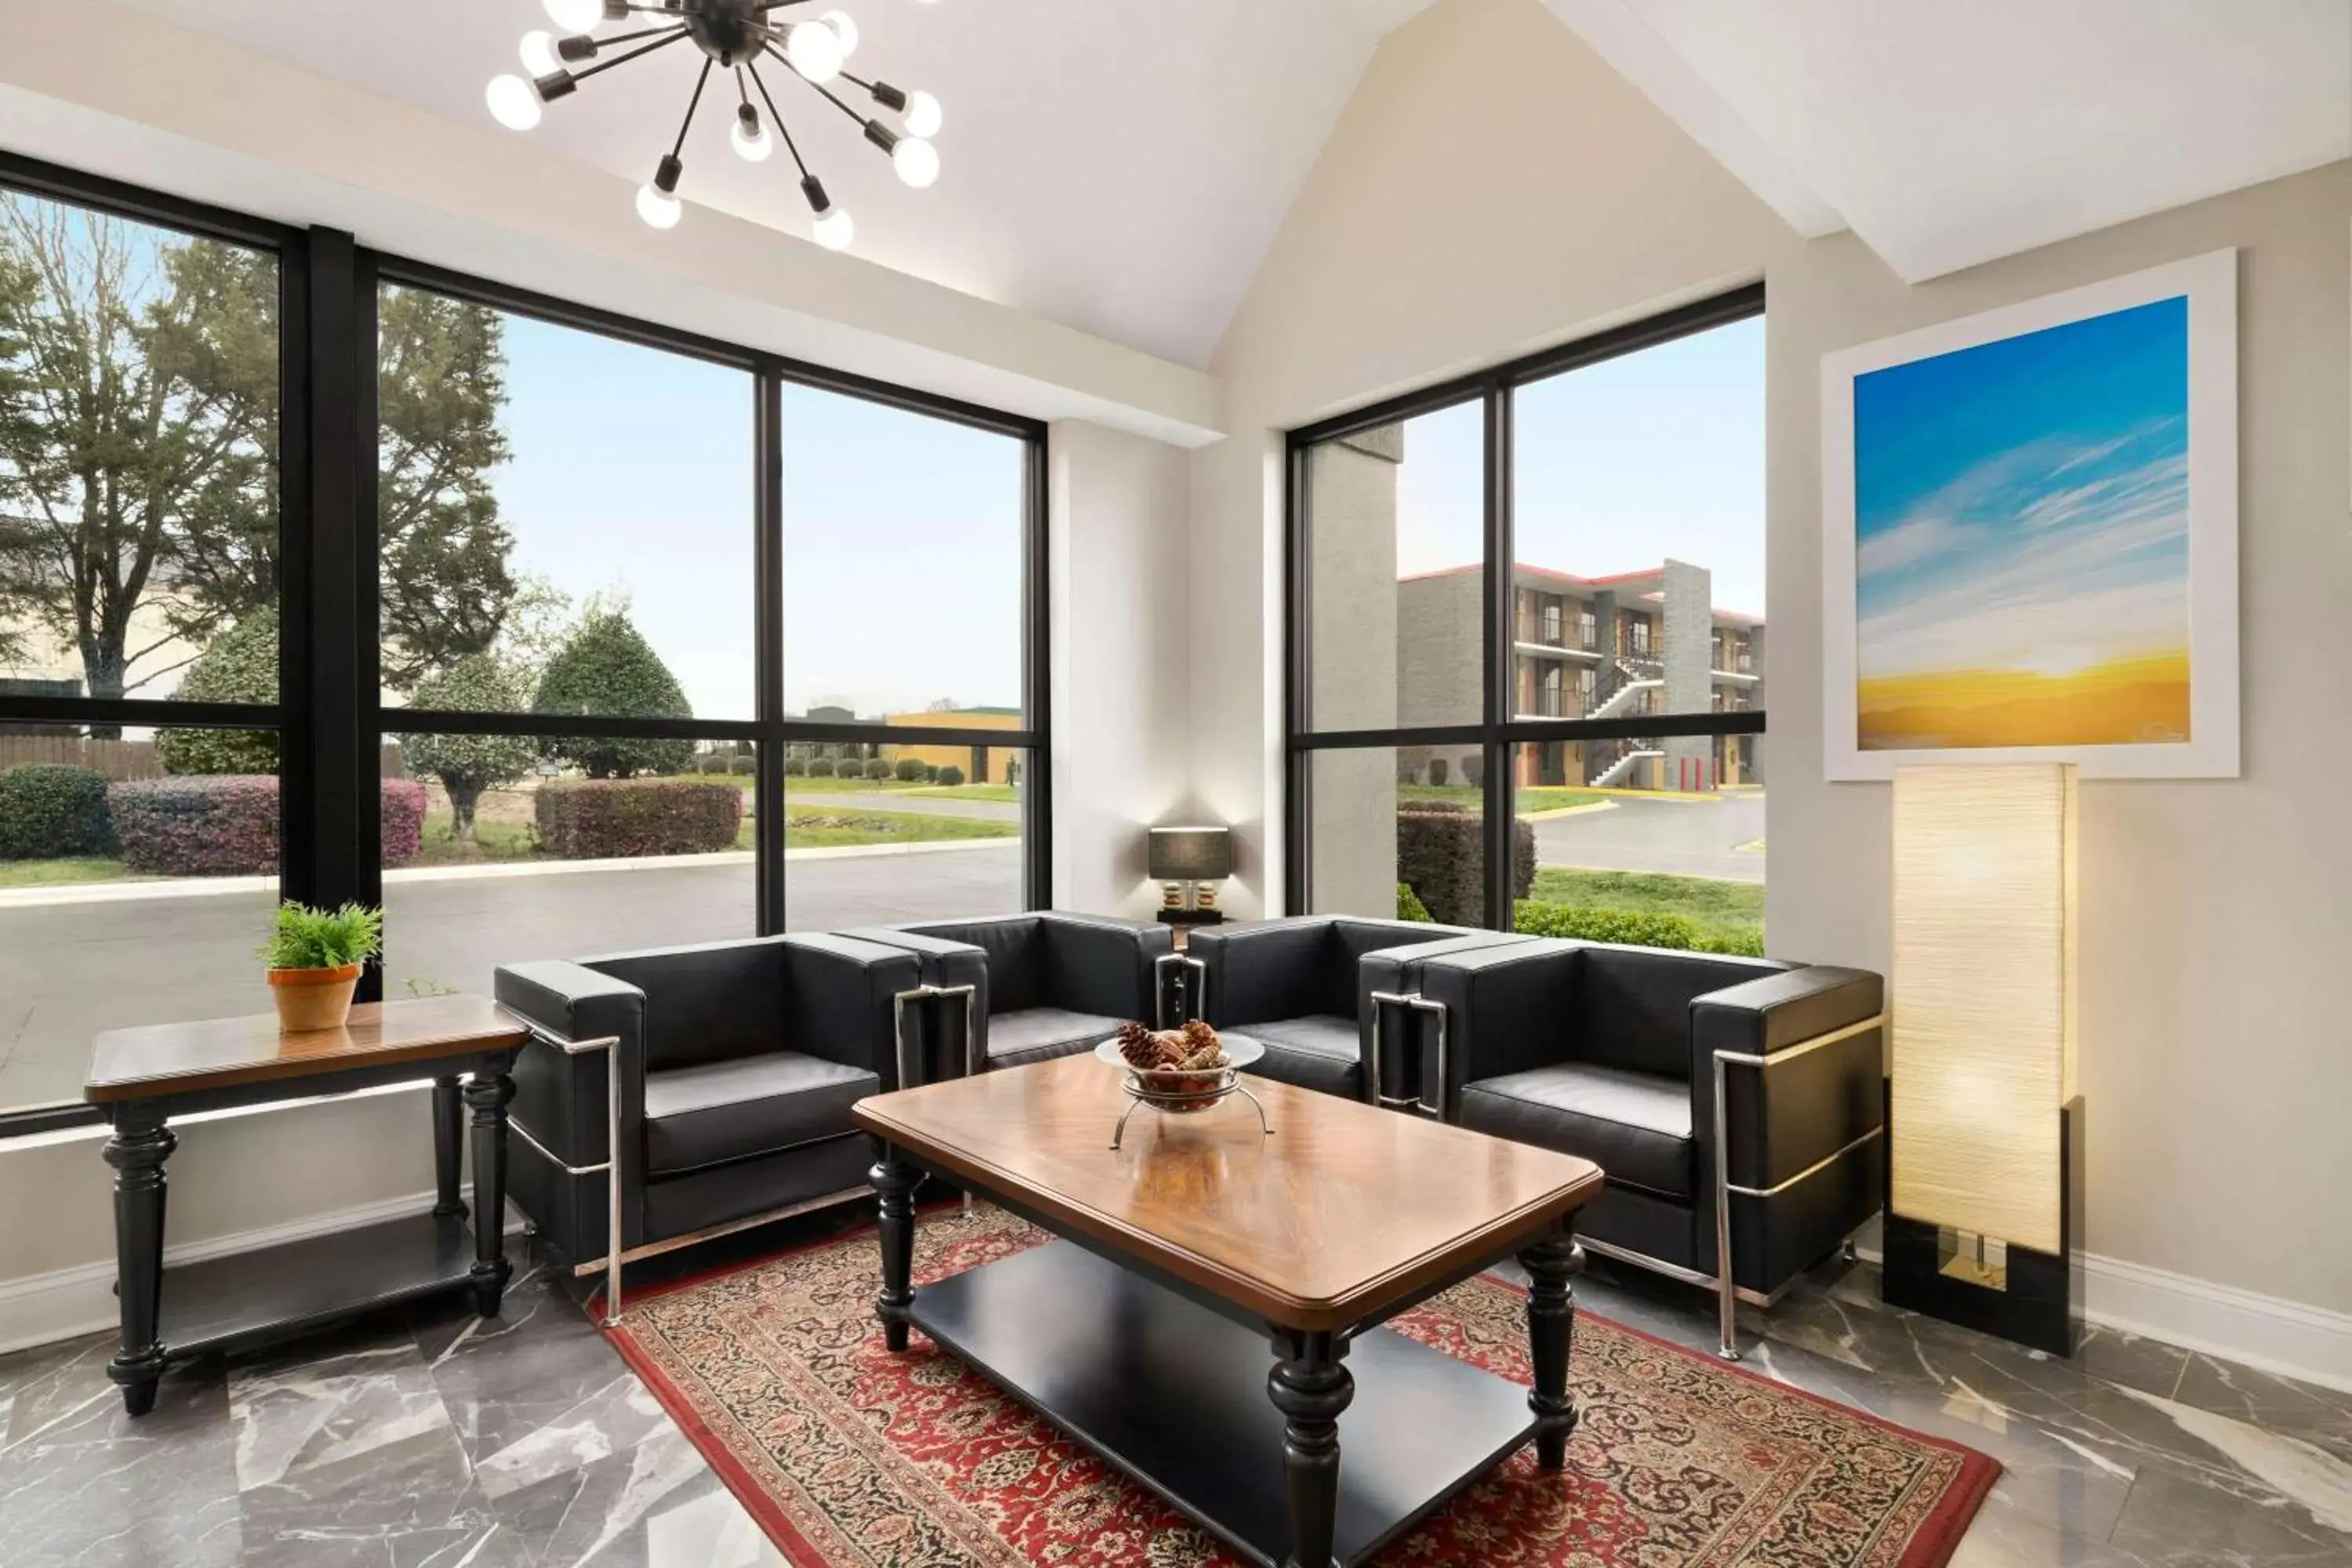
(42, 1308)
(2263, 1332)
(2267, 1332)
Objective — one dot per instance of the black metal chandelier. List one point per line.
(734, 35)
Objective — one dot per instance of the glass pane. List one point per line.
(879, 833)
(1396, 574)
(578, 509)
(1398, 832)
(138, 460)
(1656, 842)
(138, 871)
(904, 565)
(1638, 502)
(492, 854)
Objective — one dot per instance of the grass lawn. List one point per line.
(1531, 797)
(799, 786)
(1714, 906)
(1003, 792)
(59, 873)
(493, 841)
(814, 828)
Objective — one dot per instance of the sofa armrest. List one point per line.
(1404, 1035)
(1094, 964)
(1256, 973)
(1506, 1010)
(956, 1025)
(1820, 1031)
(841, 1001)
(559, 1099)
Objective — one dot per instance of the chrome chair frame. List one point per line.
(1193, 1006)
(926, 992)
(1728, 1293)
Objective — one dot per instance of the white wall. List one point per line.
(1494, 187)
(1120, 507)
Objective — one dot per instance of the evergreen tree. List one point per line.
(606, 667)
(241, 665)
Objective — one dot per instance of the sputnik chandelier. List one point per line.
(734, 35)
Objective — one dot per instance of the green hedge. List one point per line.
(48, 810)
(1633, 927)
(948, 776)
(911, 770)
(821, 768)
(1441, 855)
(226, 824)
(1408, 906)
(602, 819)
(878, 769)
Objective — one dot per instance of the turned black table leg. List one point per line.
(894, 1183)
(1552, 1262)
(137, 1151)
(1311, 1389)
(448, 1122)
(486, 1095)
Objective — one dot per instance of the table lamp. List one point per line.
(1985, 1126)
(1187, 862)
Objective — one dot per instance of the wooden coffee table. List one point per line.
(1145, 1331)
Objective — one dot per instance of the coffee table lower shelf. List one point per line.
(1175, 1395)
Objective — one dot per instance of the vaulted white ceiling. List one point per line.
(1946, 135)
(1119, 167)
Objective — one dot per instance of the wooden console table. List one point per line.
(140, 1078)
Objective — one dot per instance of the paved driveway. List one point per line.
(1690, 839)
(68, 970)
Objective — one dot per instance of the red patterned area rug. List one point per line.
(853, 1458)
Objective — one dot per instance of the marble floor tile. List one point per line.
(599, 1515)
(321, 1402)
(387, 1505)
(2178, 1519)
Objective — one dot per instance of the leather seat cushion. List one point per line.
(1636, 1126)
(1041, 1034)
(747, 1106)
(1321, 1051)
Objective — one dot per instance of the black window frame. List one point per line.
(331, 716)
(1498, 730)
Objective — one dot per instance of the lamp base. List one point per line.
(2027, 1298)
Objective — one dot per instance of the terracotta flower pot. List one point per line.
(312, 999)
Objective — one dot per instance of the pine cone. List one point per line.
(1143, 1049)
(1206, 1058)
(1197, 1036)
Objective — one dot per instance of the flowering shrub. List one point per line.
(598, 819)
(226, 824)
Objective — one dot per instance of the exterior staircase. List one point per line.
(1625, 763)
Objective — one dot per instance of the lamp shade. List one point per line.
(1192, 854)
(1983, 1047)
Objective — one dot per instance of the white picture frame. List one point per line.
(2208, 284)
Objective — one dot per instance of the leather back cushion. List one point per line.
(1016, 958)
(1335, 987)
(1633, 1004)
(705, 1004)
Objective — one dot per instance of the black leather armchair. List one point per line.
(1735, 1103)
(699, 1086)
(1016, 989)
(1320, 991)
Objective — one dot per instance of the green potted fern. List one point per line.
(315, 957)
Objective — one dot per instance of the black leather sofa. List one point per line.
(1015, 989)
(1304, 987)
(737, 1065)
(1615, 1054)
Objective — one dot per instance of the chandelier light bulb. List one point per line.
(751, 139)
(845, 27)
(916, 161)
(538, 53)
(657, 207)
(814, 50)
(923, 116)
(512, 103)
(576, 16)
(833, 230)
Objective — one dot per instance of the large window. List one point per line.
(585, 635)
(1527, 668)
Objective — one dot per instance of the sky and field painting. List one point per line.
(2021, 540)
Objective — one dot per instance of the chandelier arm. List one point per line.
(817, 86)
(691, 105)
(774, 114)
(662, 42)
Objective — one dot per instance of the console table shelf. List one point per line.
(246, 1297)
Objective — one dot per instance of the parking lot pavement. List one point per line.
(70, 970)
(1686, 837)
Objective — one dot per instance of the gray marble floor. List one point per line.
(435, 1439)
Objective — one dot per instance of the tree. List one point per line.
(138, 409)
(139, 504)
(240, 666)
(446, 580)
(468, 765)
(606, 667)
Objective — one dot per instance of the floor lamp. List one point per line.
(1985, 1124)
